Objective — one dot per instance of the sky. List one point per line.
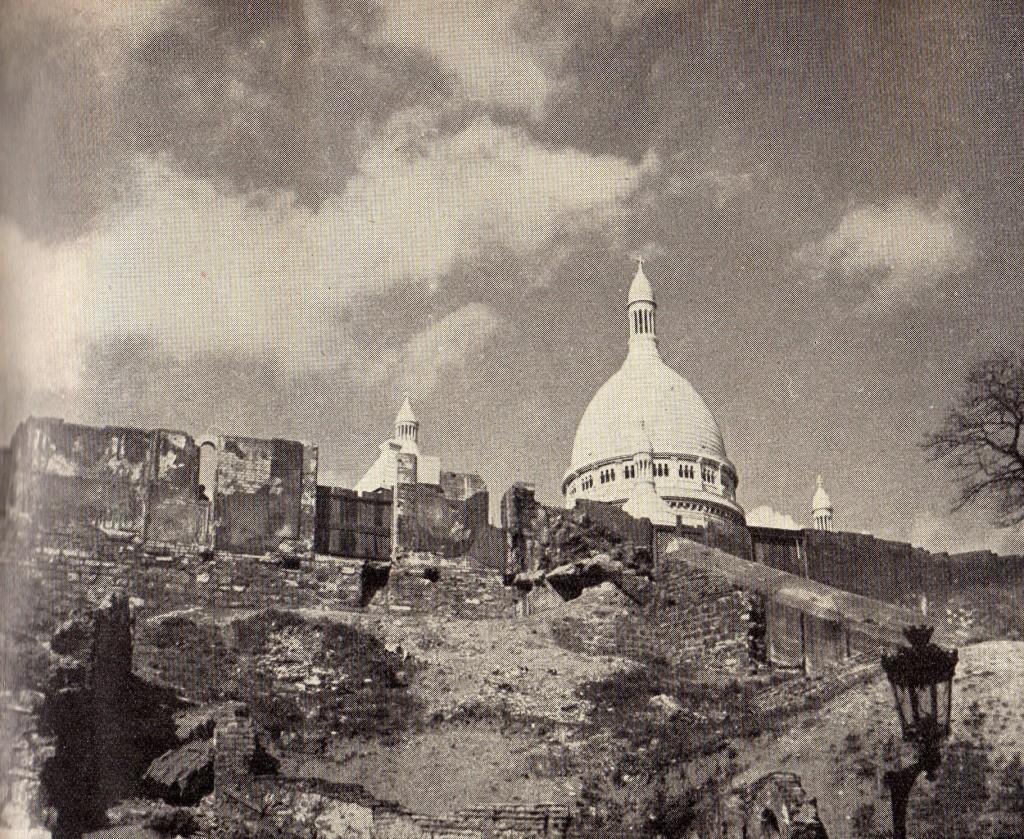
(272, 218)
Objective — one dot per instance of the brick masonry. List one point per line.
(696, 619)
(421, 582)
(76, 572)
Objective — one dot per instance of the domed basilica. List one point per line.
(647, 441)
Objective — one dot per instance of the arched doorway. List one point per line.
(770, 826)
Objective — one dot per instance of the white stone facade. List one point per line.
(383, 473)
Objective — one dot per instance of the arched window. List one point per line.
(207, 469)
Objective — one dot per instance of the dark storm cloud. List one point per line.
(872, 97)
(61, 163)
(268, 96)
(259, 96)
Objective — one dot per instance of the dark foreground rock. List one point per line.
(105, 724)
(182, 775)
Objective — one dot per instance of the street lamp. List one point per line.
(921, 677)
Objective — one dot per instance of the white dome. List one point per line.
(648, 390)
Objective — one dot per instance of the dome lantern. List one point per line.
(641, 311)
(407, 427)
(821, 508)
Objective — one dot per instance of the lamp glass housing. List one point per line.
(921, 677)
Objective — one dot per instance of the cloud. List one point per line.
(766, 516)
(713, 175)
(606, 94)
(888, 255)
(445, 346)
(477, 40)
(199, 270)
(276, 98)
(958, 534)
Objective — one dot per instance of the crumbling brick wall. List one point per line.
(76, 571)
(427, 583)
(540, 537)
(706, 618)
(696, 618)
(69, 478)
(128, 484)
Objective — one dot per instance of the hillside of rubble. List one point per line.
(421, 717)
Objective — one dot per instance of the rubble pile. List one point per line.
(576, 553)
(304, 679)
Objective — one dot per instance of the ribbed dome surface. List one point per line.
(645, 388)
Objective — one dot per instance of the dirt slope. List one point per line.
(842, 751)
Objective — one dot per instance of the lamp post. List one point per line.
(921, 677)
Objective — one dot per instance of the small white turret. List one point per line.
(821, 507)
(407, 427)
(644, 501)
(640, 311)
(643, 455)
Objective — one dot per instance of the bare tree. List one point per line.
(982, 438)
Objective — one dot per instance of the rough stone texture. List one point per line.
(808, 692)
(460, 486)
(132, 485)
(76, 572)
(148, 817)
(25, 750)
(344, 810)
(775, 801)
(428, 583)
(183, 775)
(571, 578)
(542, 538)
(100, 725)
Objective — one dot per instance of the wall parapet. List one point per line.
(124, 484)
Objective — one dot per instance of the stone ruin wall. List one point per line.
(93, 509)
(142, 487)
(972, 595)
